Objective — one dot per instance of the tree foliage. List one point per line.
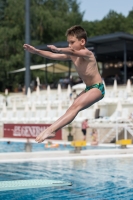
(48, 23)
(50, 19)
(112, 22)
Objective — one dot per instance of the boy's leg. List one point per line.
(82, 102)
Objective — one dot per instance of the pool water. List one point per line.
(20, 147)
(93, 179)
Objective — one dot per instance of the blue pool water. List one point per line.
(93, 179)
(20, 147)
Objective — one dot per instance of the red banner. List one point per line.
(27, 131)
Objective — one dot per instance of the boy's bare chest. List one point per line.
(78, 62)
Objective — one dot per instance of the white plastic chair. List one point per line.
(124, 116)
(20, 115)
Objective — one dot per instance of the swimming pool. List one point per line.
(93, 179)
(20, 147)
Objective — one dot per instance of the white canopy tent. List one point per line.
(50, 67)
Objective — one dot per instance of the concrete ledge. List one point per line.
(64, 155)
(107, 152)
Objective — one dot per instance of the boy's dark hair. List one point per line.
(77, 31)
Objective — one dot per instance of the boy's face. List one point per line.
(75, 43)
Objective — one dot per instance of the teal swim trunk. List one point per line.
(99, 86)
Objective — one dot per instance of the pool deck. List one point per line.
(65, 155)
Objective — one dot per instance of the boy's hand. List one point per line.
(53, 48)
(29, 48)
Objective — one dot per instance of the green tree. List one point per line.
(112, 22)
(130, 21)
(3, 4)
(49, 21)
(11, 39)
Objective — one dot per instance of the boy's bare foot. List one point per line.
(42, 136)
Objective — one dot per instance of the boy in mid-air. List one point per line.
(86, 66)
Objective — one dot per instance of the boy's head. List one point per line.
(78, 32)
(76, 37)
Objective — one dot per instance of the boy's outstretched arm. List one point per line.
(46, 54)
(71, 52)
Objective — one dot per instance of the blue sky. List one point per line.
(97, 9)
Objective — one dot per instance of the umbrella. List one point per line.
(128, 87)
(69, 91)
(115, 86)
(59, 90)
(48, 91)
(38, 81)
(6, 92)
(58, 68)
(38, 90)
(29, 93)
